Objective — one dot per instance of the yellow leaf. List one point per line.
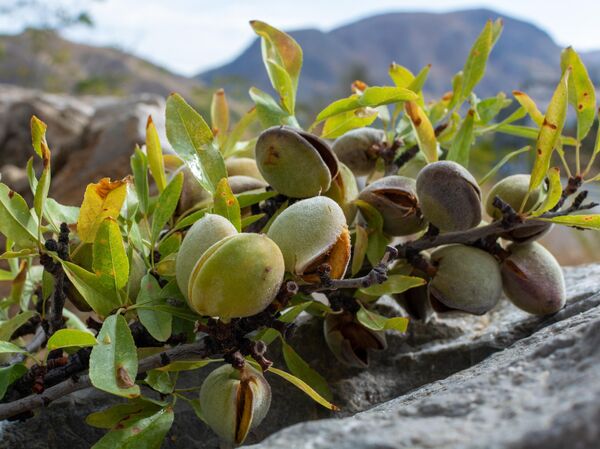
(529, 106)
(550, 132)
(554, 192)
(101, 200)
(155, 156)
(423, 130)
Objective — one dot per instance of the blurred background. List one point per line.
(95, 69)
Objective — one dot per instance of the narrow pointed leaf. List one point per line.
(155, 156)
(395, 284)
(8, 375)
(423, 130)
(360, 249)
(139, 168)
(529, 105)
(7, 347)
(167, 203)
(376, 322)
(461, 145)
(219, 116)
(579, 221)
(554, 192)
(227, 205)
(299, 368)
(550, 132)
(474, 67)
(299, 383)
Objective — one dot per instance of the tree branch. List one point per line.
(192, 351)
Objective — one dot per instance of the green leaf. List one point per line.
(170, 244)
(268, 111)
(227, 205)
(582, 94)
(167, 203)
(303, 386)
(111, 416)
(530, 133)
(302, 370)
(461, 145)
(488, 108)
(8, 375)
(360, 249)
(377, 240)
(139, 167)
(340, 124)
(395, 284)
(38, 135)
(155, 156)
(147, 432)
(474, 67)
(6, 275)
(554, 192)
(42, 187)
(250, 198)
(282, 57)
(160, 381)
(70, 338)
(92, 289)
(219, 116)
(183, 365)
(189, 219)
(376, 322)
(237, 132)
(550, 132)
(8, 327)
(529, 105)
(371, 97)
(61, 213)
(113, 361)
(501, 164)
(371, 215)
(579, 221)
(401, 76)
(192, 140)
(156, 322)
(7, 347)
(16, 221)
(423, 130)
(110, 264)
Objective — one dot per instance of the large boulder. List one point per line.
(457, 381)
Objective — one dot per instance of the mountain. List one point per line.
(43, 60)
(524, 56)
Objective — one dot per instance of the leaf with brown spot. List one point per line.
(529, 105)
(114, 365)
(423, 130)
(549, 134)
(227, 205)
(582, 94)
(579, 221)
(101, 200)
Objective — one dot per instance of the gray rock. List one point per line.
(457, 381)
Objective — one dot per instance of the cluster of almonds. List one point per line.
(227, 274)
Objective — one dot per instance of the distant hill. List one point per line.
(43, 60)
(524, 56)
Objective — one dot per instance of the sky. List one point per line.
(190, 36)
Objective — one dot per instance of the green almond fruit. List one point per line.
(234, 401)
(533, 279)
(238, 276)
(310, 233)
(241, 184)
(467, 279)
(295, 163)
(202, 235)
(449, 196)
(395, 197)
(358, 149)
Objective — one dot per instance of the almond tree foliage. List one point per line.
(208, 254)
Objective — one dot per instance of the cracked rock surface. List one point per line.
(504, 380)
